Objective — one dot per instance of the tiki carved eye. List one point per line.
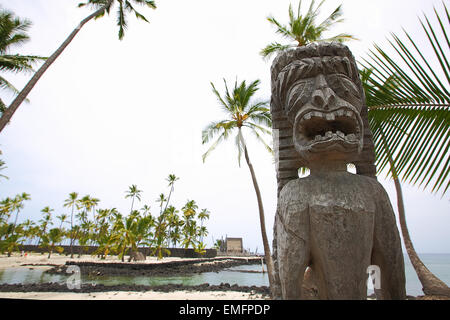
(300, 92)
(344, 88)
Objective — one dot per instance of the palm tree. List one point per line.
(5, 209)
(172, 219)
(17, 204)
(101, 7)
(190, 225)
(45, 222)
(50, 239)
(410, 120)
(12, 239)
(304, 29)
(203, 215)
(171, 179)
(161, 199)
(160, 237)
(145, 209)
(241, 113)
(175, 228)
(88, 203)
(133, 192)
(72, 202)
(94, 203)
(13, 32)
(62, 218)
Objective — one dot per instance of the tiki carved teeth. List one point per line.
(338, 125)
(329, 116)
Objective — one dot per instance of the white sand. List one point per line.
(128, 295)
(16, 260)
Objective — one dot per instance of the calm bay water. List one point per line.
(439, 264)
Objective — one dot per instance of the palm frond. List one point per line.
(283, 30)
(341, 37)
(130, 8)
(223, 104)
(18, 63)
(214, 128)
(245, 93)
(258, 136)
(6, 85)
(121, 21)
(419, 139)
(409, 107)
(332, 19)
(304, 29)
(274, 47)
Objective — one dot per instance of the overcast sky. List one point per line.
(108, 113)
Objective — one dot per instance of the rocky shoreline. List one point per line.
(164, 269)
(89, 288)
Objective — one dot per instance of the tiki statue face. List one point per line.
(320, 94)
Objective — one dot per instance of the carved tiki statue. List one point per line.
(332, 221)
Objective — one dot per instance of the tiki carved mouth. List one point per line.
(322, 129)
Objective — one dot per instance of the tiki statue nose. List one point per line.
(323, 97)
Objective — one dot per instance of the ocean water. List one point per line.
(439, 264)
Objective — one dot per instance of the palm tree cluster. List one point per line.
(111, 232)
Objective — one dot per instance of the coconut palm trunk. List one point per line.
(267, 254)
(432, 285)
(71, 234)
(9, 112)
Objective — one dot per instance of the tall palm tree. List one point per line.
(13, 33)
(410, 119)
(17, 204)
(133, 192)
(171, 179)
(72, 202)
(101, 7)
(304, 29)
(241, 113)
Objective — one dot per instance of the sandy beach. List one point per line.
(129, 295)
(40, 261)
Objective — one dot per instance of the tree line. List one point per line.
(110, 231)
